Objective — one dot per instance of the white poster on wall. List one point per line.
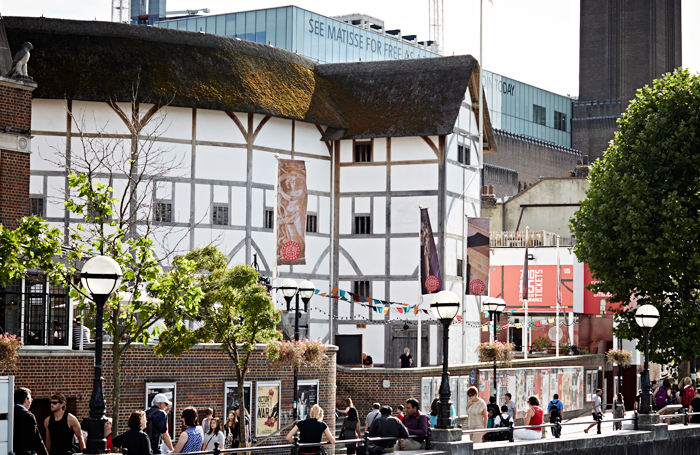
(426, 394)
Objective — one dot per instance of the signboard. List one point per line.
(478, 250)
(426, 394)
(267, 413)
(594, 302)
(291, 212)
(231, 396)
(168, 389)
(506, 282)
(307, 397)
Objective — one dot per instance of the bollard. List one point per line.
(510, 432)
(636, 421)
(295, 449)
(366, 444)
(216, 448)
(600, 423)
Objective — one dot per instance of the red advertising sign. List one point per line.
(506, 282)
(594, 302)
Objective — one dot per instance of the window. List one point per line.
(36, 206)
(363, 224)
(463, 155)
(311, 223)
(539, 114)
(164, 212)
(559, 121)
(269, 219)
(361, 288)
(220, 215)
(459, 267)
(363, 152)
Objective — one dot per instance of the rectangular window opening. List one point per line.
(220, 215)
(164, 212)
(459, 267)
(463, 155)
(312, 223)
(363, 152)
(37, 206)
(559, 121)
(539, 114)
(361, 287)
(269, 219)
(363, 224)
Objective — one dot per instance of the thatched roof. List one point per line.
(104, 61)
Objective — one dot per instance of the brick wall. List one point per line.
(15, 108)
(199, 374)
(14, 187)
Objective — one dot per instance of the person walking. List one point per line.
(348, 405)
(237, 430)
(229, 427)
(386, 426)
(215, 434)
(159, 423)
(477, 414)
(512, 411)
(350, 429)
(556, 411)
(208, 415)
(618, 411)
(662, 394)
(374, 413)
(27, 439)
(533, 416)
(597, 409)
(311, 430)
(191, 438)
(134, 439)
(405, 360)
(61, 426)
(416, 424)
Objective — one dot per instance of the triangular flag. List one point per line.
(459, 318)
(415, 309)
(484, 328)
(323, 295)
(504, 326)
(400, 310)
(334, 291)
(518, 325)
(538, 324)
(386, 310)
(550, 320)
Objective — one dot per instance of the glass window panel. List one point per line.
(211, 24)
(231, 25)
(271, 27)
(191, 25)
(240, 25)
(281, 35)
(249, 26)
(260, 34)
(221, 25)
(201, 24)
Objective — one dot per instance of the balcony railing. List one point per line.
(535, 238)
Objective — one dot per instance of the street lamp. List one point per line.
(646, 317)
(100, 276)
(305, 290)
(445, 306)
(495, 307)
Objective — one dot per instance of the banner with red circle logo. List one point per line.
(430, 278)
(478, 238)
(291, 212)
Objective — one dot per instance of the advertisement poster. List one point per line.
(231, 396)
(478, 249)
(506, 283)
(454, 388)
(430, 277)
(426, 394)
(464, 384)
(291, 212)
(543, 383)
(307, 397)
(267, 408)
(167, 389)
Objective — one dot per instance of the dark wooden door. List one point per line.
(407, 338)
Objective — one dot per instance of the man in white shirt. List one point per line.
(597, 408)
(371, 416)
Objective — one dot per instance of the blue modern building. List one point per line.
(514, 107)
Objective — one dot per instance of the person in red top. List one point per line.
(533, 416)
(400, 414)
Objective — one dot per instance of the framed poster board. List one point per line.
(307, 397)
(426, 394)
(349, 349)
(464, 384)
(169, 390)
(267, 407)
(454, 388)
(231, 397)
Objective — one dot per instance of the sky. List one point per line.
(532, 41)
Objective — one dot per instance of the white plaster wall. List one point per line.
(54, 205)
(169, 122)
(258, 208)
(49, 115)
(237, 213)
(412, 148)
(362, 178)
(404, 257)
(36, 184)
(181, 206)
(307, 139)
(414, 177)
(46, 150)
(379, 149)
(318, 174)
(324, 215)
(221, 163)
(176, 158)
(163, 190)
(405, 214)
(276, 133)
(345, 215)
(92, 117)
(201, 203)
(362, 205)
(367, 253)
(265, 166)
(346, 152)
(220, 194)
(216, 126)
(379, 215)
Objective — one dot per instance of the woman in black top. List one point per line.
(311, 431)
(134, 439)
(406, 360)
(351, 429)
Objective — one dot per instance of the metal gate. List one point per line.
(7, 390)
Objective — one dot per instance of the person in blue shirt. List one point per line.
(434, 408)
(556, 410)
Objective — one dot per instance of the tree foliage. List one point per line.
(235, 311)
(639, 227)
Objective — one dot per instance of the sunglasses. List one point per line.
(54, 402)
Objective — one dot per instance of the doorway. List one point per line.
(407, 338)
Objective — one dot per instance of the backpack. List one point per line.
(149, 428)
(688, 394)
(554, 413)
(660, 400)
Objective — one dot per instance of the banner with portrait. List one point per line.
(291, 212)
(267, 411)
(307, 397)
(478, 248)
(430, 278)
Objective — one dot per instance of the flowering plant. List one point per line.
(500, 352)
(295, 353)
(619, 356)
(9, 351)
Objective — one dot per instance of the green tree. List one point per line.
(639, 227)
(235, 311)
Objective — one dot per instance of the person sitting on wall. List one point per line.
(387, 426)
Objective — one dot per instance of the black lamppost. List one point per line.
(445, 306)
(100, 276)
(495, 307)
(646, 316)
(305, 290)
